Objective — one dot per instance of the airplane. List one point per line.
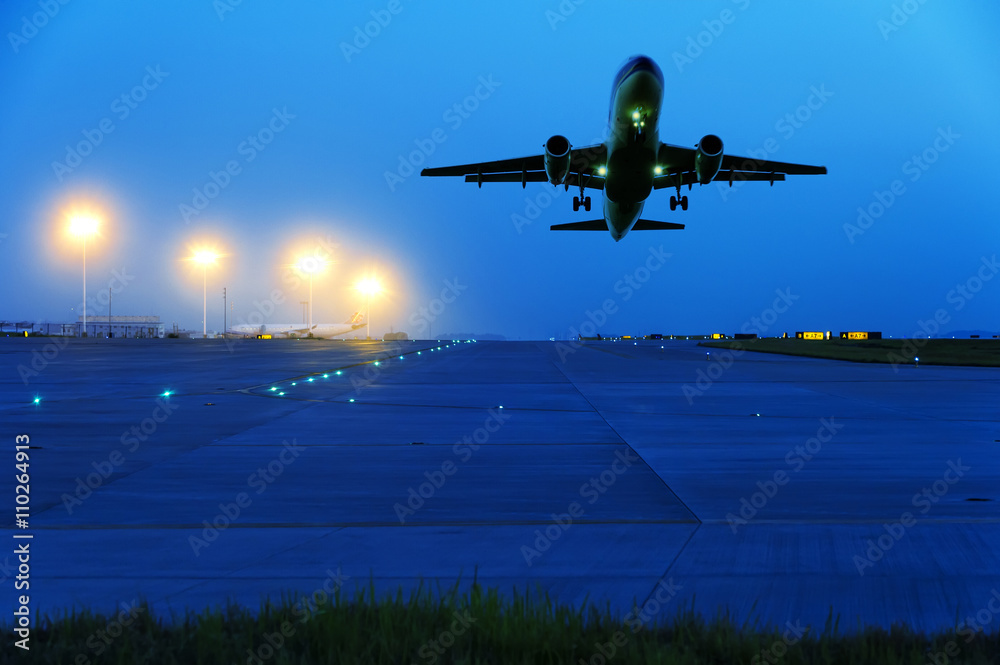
(323, 330)
(631, 163)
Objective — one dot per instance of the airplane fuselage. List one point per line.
(636, 99)
(324, 330)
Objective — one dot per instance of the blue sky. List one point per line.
(347, 115)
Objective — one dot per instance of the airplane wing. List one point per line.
(583, 166)
(679, 161)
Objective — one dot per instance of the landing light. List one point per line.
(658, 170)
(602, 170)
(635, 115)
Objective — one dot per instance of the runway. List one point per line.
(649, 475)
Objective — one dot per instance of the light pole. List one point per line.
(83, 226)
(369, 286)
(311, 265)
(205, 257)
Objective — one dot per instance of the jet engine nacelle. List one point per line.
(557, 159)
(708, 158)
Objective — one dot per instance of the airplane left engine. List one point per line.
(557, 159)
(708, 158)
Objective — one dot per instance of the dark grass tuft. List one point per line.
(478, 626)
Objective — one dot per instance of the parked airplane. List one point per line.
(325, 330)
(631, 163)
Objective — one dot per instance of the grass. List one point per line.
(479, 626)
(974, 352)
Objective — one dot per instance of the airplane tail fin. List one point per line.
(356, 318)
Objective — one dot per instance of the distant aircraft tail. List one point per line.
(356, 318)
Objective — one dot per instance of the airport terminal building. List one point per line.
(122, 326)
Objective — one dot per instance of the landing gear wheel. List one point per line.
(673, 202)
(586, 204)
(684, 203)
(576, 203)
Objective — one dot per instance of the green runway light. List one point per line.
(338, 372)
(294, 383)
(165, 393)
(273, 389)
(351, 400)
(310, 379)
(401, 357)
(376, 363)
(37, 400)
(326, 376)
(418, 353)
(281, 393)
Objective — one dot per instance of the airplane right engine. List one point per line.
(557, 156)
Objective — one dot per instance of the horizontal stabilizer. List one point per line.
(601, 225)
(592, 225)
(649, 225)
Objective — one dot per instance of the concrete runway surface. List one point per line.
(644, 474)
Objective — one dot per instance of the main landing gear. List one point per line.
(679, 200)
(581, 200)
